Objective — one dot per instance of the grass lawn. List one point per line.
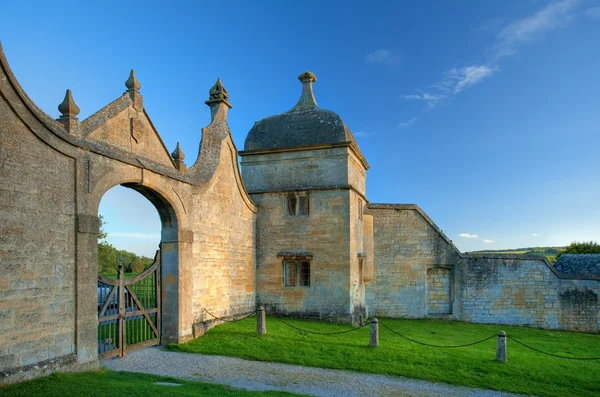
(108, 383)
(526, 371)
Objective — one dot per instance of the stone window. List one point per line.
(297, 204)
(361, 266)
(296, 273)
(360, 209)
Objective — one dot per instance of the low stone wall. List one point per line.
(409, 247)
(507, 290)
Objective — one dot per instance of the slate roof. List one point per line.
(306, 124)
(294, 128)
(578, 263)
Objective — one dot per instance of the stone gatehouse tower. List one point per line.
(305, 171)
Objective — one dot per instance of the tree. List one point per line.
(138, 266)
(107, 258)
(102, 235)
(590, 247)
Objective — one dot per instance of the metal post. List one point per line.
(121, 312)
(374, 342)
(261, 321)
(501, 347)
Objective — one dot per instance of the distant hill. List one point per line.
(548, 252)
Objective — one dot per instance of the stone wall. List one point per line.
(325, 235)
(53, 175)
(37, 246)
(439, 290)
(224, 271)
(284, 170)
(406, 244)
(525, 292)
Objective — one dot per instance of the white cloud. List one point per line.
(383, 56)
(468, 235)
(534, 234)
(459, 79)
(431, 99)
(362, 134)
(593, 13)
(489, 241)
(135, 235)
(554, 16)
(522, 235)
(408, 123)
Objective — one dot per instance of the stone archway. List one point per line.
(55, 171)
(169, 258)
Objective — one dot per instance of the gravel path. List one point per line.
(256, 375)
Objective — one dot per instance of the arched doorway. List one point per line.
(137, 297)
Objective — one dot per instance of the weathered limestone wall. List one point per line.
(224, 245)
(37, 246)
(52, 178)
(525, 292)
(357, 175)
(439, 290)
(406, 244)
(295, 169)
(358, 250)
(325, 234)
(333, 232)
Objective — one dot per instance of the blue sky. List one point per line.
(486, 114)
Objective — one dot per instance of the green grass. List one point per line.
(108, 383)
(526, 371)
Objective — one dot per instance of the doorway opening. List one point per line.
(135, 220)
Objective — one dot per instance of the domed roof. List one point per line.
(304, 125)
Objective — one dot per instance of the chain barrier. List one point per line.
(321, 333)
(551, 354)
(406, 337)
(231, 321)
(438, 346)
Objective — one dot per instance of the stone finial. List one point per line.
(178, 156)
(307, 99)
(68, 107)
(218, 101)
(69, 111)
(218, 93)
(132, 82)
(133, 89)
(178, 153)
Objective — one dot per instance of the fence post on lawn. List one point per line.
(374, 342)
(501, 347)
(261, 321)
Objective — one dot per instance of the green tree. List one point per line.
(107, 258)
(138, 266)
(590, 247)
(102, 235)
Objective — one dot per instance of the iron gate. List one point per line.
(129, 311)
